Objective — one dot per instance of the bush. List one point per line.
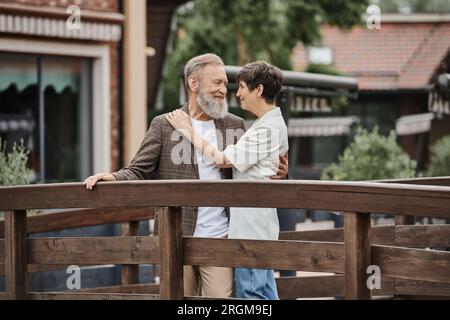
(371, 157)
(440, 158)
(13, 166)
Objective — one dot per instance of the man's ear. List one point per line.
(193, 83)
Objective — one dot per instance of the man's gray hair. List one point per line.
(197, 63)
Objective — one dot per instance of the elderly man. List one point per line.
(159, 157)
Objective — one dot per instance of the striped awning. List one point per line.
(414, 124)
(318, 127)
(44, 21)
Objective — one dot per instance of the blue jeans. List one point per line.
(256, 284)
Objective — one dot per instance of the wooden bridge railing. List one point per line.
(403, 269)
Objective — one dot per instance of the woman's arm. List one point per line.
(180, 121)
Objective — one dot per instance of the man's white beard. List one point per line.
(216, 109)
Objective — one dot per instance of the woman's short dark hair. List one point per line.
(260, 72)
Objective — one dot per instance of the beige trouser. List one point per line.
(214, 282)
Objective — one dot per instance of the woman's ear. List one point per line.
(260, 91)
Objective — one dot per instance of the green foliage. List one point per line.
(371, 157)
(440, 158)
(241, 31)
(13, 165)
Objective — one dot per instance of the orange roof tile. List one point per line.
(398, 56)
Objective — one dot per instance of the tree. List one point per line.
(241, 31)
(371, 157)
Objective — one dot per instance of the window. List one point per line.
(46, 101)
(320, 55)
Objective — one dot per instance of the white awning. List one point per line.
(318, 127)
(414, 124)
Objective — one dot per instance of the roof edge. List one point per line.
(413, 18)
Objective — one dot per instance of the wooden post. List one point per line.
(358, 254)
(130, 272)
(171, 261)
(16, 266)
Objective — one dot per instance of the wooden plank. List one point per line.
(130, 273)
(41, 267)
(417, 200)
(437, 236)
(421, 288)
(16, 271)
(92, 251)
(323, 286)
(83, 218)
(3, 296)
(357, 244)
(91, 296)
(132, 288)
(171, 254)
(383, 235)
(328, 235)
(401, 236)
(413, 264)
(282, 255)
(310, 287)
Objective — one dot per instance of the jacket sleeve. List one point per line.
(146, 161)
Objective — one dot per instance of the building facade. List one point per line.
(397, 68)
(59, 84)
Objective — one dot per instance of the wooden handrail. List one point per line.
(427, 181)
(368, 197)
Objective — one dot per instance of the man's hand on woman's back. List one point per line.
(283, 168)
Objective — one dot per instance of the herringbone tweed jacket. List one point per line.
(153, 159)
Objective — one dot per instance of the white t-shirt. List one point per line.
(212, 222)
(256, 157)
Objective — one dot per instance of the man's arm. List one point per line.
(146, 160)
(144, 163)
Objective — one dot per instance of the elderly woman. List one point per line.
(252, 158)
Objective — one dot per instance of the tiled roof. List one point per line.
(398, 56)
